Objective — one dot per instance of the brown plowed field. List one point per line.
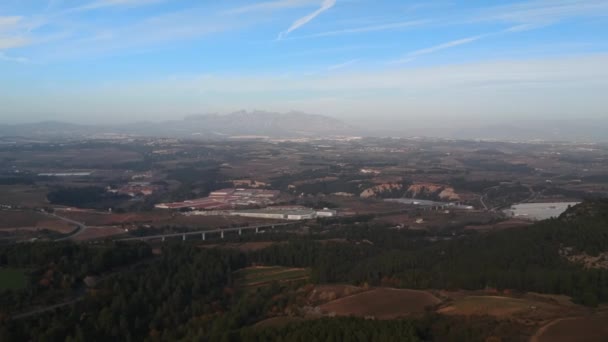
(382, 303)
(27, 220)
(592, 328)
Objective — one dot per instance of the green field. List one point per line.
(256, 276)
(12, 279)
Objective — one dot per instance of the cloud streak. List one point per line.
(13, 42)
(327, 4)
(447, 45)
(545, 11)
(9, 22)
(412, 55)
(271, 5)
(364, 29)
(4, 57)
(463, 41)
(342, 65)
(100, 4)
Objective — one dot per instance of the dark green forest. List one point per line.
(188, 293)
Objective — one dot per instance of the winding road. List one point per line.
(80, 226)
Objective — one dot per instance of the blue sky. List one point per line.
(128, 60)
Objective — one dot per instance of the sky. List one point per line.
(373, 61)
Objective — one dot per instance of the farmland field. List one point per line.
(322, 294)
(12, 279)
(257, 276)
(23, 195)
(527, 308)
(382, 303)
(13, 219)
(487, 305)
(585, 329)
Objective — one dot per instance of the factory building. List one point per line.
(277, 214)
(326, 213)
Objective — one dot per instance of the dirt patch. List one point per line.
(531, 309)
(326, 293)
(382, 303)
(429, 190)
(591, 328)
(487, 305)
(381, 189)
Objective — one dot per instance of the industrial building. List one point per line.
(277, 214)
(326, 213)
(285, 213)
(227, 199)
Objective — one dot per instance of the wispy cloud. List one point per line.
(343, 65)
(272, 5)
(412, 55)
(364, 29)
(100, 4)
(463, 41)
(327, 4)
(13, 42)
(9, 22)
(447, 45)
(544, 11)
(141, 35)
(4, 57)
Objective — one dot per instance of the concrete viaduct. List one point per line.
(205, 233)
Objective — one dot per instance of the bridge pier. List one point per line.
(222, 234)
(240, 232)
(163, 239)
(184, 237)
(256, 230)
(203, 235)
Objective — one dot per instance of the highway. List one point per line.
(533, 195)
(204, 233)
(80, 227)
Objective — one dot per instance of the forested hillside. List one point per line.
(188, 292)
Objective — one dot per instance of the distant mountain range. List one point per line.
(212, 126)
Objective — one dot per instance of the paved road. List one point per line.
(81, 227)
(485, 207)
(485, 194)
(47, 308)
(533, 195)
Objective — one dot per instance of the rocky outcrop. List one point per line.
(382, 190)
(432, 191)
